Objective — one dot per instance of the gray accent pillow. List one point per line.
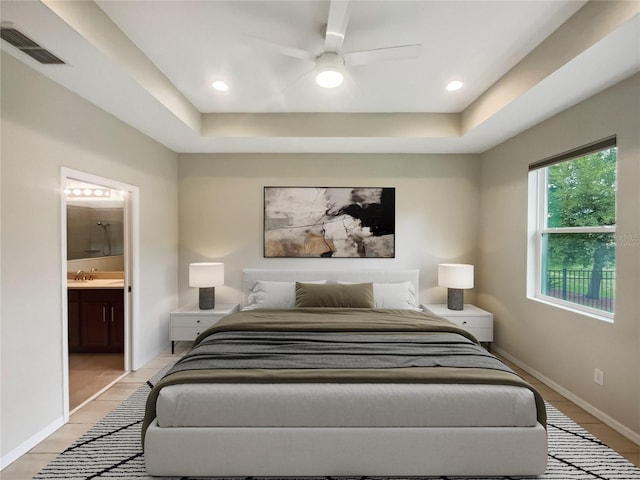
(355, 295)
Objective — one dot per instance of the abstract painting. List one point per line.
(325, 222)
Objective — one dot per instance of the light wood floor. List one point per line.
(33, 461)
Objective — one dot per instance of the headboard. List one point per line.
(251, 275)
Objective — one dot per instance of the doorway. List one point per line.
(98, 261)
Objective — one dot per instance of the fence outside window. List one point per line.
(573, 285)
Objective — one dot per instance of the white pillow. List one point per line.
(400, 295)
(266, 294)
(395, 295)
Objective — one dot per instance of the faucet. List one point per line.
(93, 273)
(80, 275)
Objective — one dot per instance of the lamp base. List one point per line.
(207, 298)
(455, 298)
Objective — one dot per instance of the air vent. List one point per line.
(28, 46)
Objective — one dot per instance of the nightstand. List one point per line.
(189, 321)
(476, 321)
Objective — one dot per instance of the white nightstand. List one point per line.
(473, 319)
(189, 321)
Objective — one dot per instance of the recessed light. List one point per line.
(220, 86)
(455, 85)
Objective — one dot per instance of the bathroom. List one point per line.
(95, 288)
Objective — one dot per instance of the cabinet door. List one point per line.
(73, 310)
(116, 328)
(94, 325)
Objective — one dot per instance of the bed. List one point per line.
(338, 373)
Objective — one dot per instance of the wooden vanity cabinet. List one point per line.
(73, 313)
(96, 320)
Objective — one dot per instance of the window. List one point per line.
(572, 228)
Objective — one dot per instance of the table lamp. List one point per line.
(206, 276)
(456, 277)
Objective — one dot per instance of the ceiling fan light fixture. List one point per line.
(329, 70)
(329, 78)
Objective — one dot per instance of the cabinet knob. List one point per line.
(197, 321)
(464, 322)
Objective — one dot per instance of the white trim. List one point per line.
(132, 277)
(597, 229)
(600, 415)
(537, 215)
(573, 307)
(533, 245)
(64, 314)
(31, 442)
(131, 268)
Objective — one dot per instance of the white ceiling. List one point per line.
(151, 64)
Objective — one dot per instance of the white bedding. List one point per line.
(345, 405)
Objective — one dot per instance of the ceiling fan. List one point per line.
(330, 65)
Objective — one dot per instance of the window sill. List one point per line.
(568, 306)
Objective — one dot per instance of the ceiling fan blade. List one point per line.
(279, 96)
(336, 25)
(286, 50)
(382, 54)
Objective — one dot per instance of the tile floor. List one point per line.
(29, 464)
(90, 373)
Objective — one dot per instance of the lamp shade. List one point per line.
(455, 275)
(206, 274)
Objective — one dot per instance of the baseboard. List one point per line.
(31, 442)
(600, 415)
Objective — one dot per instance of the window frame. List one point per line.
(538, 214)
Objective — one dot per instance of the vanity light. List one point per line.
(455, 85)
(220, 85)
(88, 193)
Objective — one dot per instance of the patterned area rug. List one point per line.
(111, 449)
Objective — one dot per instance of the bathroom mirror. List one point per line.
(95, 221)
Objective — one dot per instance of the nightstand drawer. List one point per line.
(479, 327)
(472, 322)
(482, 334)
(187, 333)
(195, 321)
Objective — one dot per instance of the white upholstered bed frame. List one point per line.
(343, 451)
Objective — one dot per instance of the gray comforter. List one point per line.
(337, 345)
(316, 350)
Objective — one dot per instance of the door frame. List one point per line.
(131, 252)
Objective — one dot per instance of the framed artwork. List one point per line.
(329, 222)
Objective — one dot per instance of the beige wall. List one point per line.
(44, 128)
(562, 345)
(443, 202)
(221, 211)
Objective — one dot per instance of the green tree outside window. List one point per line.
(582, 193)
